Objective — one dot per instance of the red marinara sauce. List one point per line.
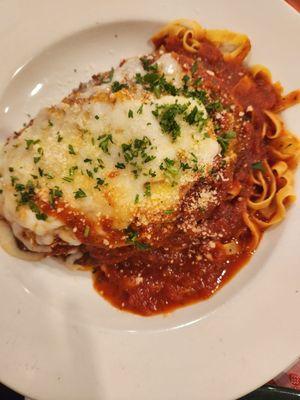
(187, 269)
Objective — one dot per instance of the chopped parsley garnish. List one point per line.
(166, 115)
(225, 139)
(142, 246)
(97, 116)
(167, 212)
(31, 142)
(151, 173)
(72, 170)
(258, 166)
(214, 106)
(50, 123)
(68, 178)
(79, 194)
(194, 68)
(195, 117)
(130, 114)
(59, 137)
(89, 173)
(135, 149)
(197, 81)
(195, 161)
(100, 163)
(71, 149)
(100, 182)
(197, 94)
(184, 166)
(156, 83)
(109, 77)
(104, 142)
(147, 191)
(19, 187)
(41, 171)
(13, 180)
(87, 160)
(132, 237)
(54, 193)
(136, 199)
(140, 109)
(86, 231)
(48, 176)
(169, 168)
(116, 86)
(36, 159)
(38, 214)
(185, 81)
(26, 197)
(120, 165)
(149, 158)
(147, 65)
(11, 169)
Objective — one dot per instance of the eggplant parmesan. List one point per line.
(159, 175)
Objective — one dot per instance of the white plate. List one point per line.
(58, 338)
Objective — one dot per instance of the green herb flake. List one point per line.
(167, 212)
(86, 231)
(13, 180)
(117, 86)
(184, 166)
(194, 68)
(104, 141)
(224, 140)
(136, 199)
(214, 106)
(156, 83)
(59, 137)
(30, 143)
(72, 170)
(99, 183)
(97, 117)
(147, 192)
(89, 173)
(132, 237)
(185, 81)
(258, 166)
(54, 193)
(71, 149)
(79, 194)
(130, 114)
(166, 115)
(36, 159)
(195, 117)
(120, 165)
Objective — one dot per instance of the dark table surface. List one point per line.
(263, 393)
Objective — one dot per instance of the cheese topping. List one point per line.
(117, 150)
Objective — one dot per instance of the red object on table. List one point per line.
(289, 378)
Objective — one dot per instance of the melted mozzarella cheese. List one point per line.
(80, 148)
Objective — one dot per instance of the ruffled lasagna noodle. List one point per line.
(160, 176)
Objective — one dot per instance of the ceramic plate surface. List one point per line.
(58, 338)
